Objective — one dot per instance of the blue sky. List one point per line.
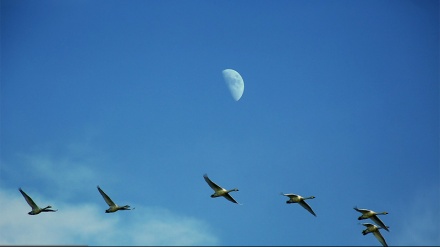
(341, 102)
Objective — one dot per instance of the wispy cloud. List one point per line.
(70, 176)
(60, 171)
(66, 170)
(87, 224)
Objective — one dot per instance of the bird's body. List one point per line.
(371, 228)
(370, 214)
(35, 209)
(113, 207)
(219, 191)
(293, 198)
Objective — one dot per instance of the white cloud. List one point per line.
(87, 224)
(71, 175)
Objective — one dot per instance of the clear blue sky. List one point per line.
(341, 102)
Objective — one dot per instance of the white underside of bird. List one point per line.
(35, 209)
(219, 191)
(113, 207)
(370, 214)
(294, 198)
(371, 228)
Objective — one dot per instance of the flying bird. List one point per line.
(371, 228)
(35, 209)
(293, 198)
(113, 207)
(370, 214)
(219, 191)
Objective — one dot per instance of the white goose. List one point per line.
(219, 191)
(371, 228)
(300, 200)
(370, 214)
(35, 209)
(113, 207)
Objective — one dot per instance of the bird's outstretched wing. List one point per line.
(380, 238)
(378, 221)
(229, 198)
(361, 210)
(106, 198)
(28, 200)
(290, 195)
(367, 224)
(211, 184)
(307, 207)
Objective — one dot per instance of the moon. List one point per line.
(235, 83)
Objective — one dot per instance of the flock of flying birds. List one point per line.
(222, 192)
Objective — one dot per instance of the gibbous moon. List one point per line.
(234, 82)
